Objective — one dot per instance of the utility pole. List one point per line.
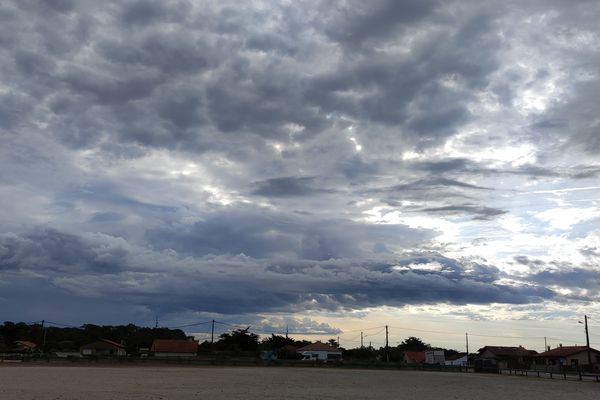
(338, 344)
(467, 340)
(587, 343)
(387, 351)
(156, 323)
(545, 344)
(212, 332)
(43, 335)
(287, 330)
(361, 340)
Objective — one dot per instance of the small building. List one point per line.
(460, 359)
(174, 348)
(67, 354)
(435, 357)
(103, 347)
(508, 357)
(25, 346)
(566, 358)
(414, 357)
(319, 351)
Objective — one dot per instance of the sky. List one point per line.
(325, 167)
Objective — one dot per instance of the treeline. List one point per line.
(51, 338)
(237, 342)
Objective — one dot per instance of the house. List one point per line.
(25, 346)
(319, 351)
(435, 357)
(174, 348)
(566, 358)
(460, 359)
(508, 357)
(414, 357)
(103, 347)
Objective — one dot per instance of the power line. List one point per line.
(188, 325)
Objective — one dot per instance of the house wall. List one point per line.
(435, 357)
(558, 363)
(459, 361)
(320, 355)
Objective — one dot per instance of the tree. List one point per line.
(413, 344)
(238, 340)
(275, 342)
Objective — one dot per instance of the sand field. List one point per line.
(151, 383)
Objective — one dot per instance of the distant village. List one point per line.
(27, 342)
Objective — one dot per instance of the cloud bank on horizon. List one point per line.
(190, 158)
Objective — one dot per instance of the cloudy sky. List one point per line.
(328, 166)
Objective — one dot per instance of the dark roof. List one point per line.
(417, 356)
(505, 351)
(174, 346)
(319, 346)
(103, 344)
(566, 351)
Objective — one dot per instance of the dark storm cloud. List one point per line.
(439, 195)
(51, 250)
(288, 187)
(263, 234)
(569, 277)
(357, 23)
(478, 212)
(240, 284)
(524, 260)
(109, 195)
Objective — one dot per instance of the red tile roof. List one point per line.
(174, 346)
(416, 356)
(565, 351)
(26, 344)
(319, 346)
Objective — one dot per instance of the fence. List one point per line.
(575, 376)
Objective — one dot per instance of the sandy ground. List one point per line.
(103, 383)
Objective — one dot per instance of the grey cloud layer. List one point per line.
(107, 269)
(224, 156)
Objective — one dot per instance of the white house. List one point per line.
(459, 359)
(434, 357)
(319, 351)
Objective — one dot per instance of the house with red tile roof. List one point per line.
(566, 358)
(103, 347)
(319, 351)
(414, 357)
(174, 348)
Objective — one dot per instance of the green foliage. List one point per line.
(276, 342)
(361, 354)
(238, 340)
(413, 344)
(64, 339)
